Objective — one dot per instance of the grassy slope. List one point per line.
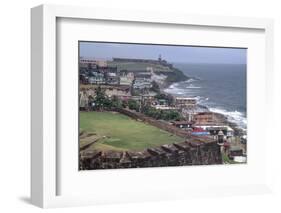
(139, 66)
(122, 132)
(173, 75)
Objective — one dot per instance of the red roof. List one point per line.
(198, 129)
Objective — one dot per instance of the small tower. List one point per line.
(220, 142)
(159, 58)
(220, 138)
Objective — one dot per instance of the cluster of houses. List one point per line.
(205, 124)
(95, 72)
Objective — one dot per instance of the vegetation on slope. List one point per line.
(173, 74)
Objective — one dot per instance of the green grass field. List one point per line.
(120, 132)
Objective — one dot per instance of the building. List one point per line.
(123, 92)
(96, 78)
(148, 99)
(204, 118)
(159, 60)
(215, 129)
(198, 131)
(142, 84)
(142, 75)
(112, 78)
(91, 63)
(142, 80)
(186, 125)
(235, 151)
(227, 131)
(164, 107)
(107, 69)
(126, 78)
(83, 100)
(162, 102)
(186, 102)
(83, 79)
(243, 139)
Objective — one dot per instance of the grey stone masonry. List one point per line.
(192, 152)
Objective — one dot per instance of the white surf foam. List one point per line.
(190, 80)
(192, 87)
(233, 116)
(173, 89)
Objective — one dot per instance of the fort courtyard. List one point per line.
(114, 131)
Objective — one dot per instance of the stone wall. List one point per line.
(188, 153)
(159, 124)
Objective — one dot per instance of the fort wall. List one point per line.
(178, 154)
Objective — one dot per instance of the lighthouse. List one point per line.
(159, 58)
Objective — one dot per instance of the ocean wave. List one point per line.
(175, 91)
(202, 100)
(180, 88)
(190, 80)
(233, 116)
(192, 87)
(173, 86)
(190, 90)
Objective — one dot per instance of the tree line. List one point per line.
(102, 102)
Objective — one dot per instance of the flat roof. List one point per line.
(186, 98)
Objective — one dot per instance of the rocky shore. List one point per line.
(202, 108)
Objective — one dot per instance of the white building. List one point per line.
(186, 102)
(86, 62)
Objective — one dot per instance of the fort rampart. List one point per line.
(178, 154)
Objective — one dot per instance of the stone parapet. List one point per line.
(178, 154)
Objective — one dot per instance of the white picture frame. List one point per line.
(44, 154)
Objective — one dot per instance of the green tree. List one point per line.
(100, 99)
(116, 103)
(133, 105)
(124, 103)
(108, 104)
(162, 114)
(169, 98)
(155, 87)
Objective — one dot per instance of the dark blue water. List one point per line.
(220, 87)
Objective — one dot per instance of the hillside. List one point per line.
(172, 74)
(135, 66)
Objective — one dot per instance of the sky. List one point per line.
(172, 54)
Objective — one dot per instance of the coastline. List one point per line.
(240, 131)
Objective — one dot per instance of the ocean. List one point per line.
(220, 87)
